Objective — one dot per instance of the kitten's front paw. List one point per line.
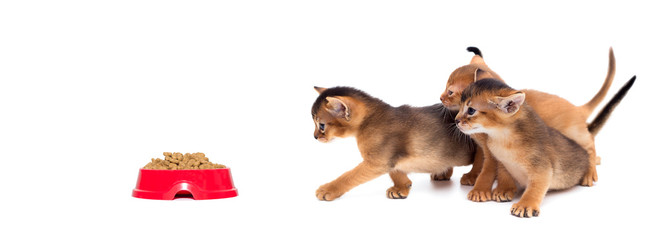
(590, 177)
(479, 195)
(398, 193)
(327, 192)
(525, 210)
(503, 195)
(468, 179)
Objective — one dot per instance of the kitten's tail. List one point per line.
(595, 126)
(594, 102)
(475, 51)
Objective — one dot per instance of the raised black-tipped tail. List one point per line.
(595, 126)
(475, 51)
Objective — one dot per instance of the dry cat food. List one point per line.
(178, 161)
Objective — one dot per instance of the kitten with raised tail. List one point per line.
(537, 156)
(393, 140)
(555, 111)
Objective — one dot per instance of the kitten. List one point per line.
(555, 111)
(393, 140)
(538, 157)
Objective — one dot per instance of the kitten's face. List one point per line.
(451, 96)
(332, 119)
(327, 127)
(488, 111)
(476, 116)
(459, 80)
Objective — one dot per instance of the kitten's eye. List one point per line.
(322, 127)
(450, 92)
(471, 111)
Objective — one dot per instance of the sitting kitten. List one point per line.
(393, 140)
(538, 157)
(555, 111)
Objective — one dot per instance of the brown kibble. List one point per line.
(179, 161)
(149, 166)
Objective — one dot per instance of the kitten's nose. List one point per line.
(316, 137)
(441, 99)
(457, 121)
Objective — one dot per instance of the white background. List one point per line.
(90, 91)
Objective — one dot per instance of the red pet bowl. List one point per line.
(198, 184)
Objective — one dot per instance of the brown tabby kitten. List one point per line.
(538, 157)
(555, 111)
(393, 140)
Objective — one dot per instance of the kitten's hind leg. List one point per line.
(591, 175)
(445, 176)
(402, 185)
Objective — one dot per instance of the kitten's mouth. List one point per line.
(451, 107)
(467, 131)
(323, 140)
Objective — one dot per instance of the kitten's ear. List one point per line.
(477, 59)
(338, 108)
(480, 74)
(510, 104)
(319, 89)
